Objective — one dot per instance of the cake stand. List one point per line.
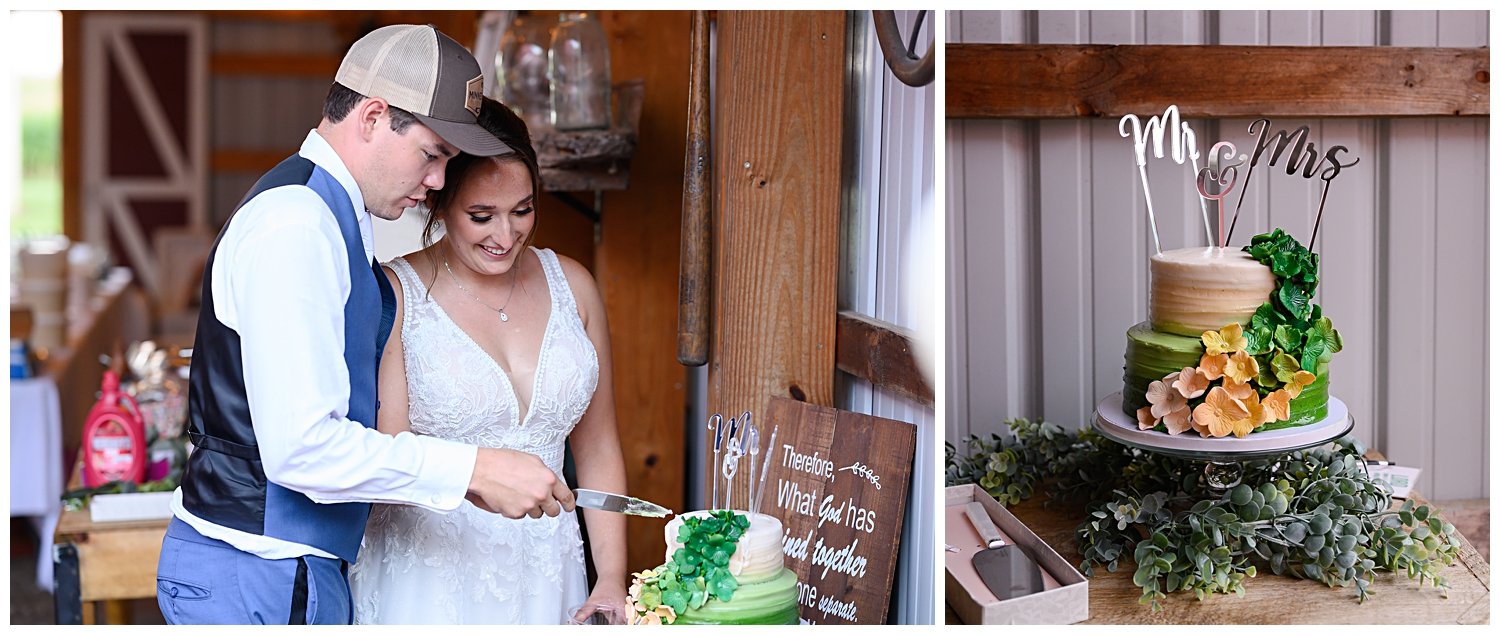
(1223, 456)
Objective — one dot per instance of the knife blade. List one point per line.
(620, 504)
(1004, 568)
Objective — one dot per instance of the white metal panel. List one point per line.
(891, 254)
(1402, 240)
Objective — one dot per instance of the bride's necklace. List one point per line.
(501, 310)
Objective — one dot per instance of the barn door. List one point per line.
(144, 151)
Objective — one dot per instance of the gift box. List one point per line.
(1064, 598)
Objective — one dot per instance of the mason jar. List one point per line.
(578, 67)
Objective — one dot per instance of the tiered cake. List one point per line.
(1231, 347)
(767, 592)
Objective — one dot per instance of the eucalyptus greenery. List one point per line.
(699, 570)
(1313, 514)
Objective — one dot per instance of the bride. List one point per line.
(499, 344)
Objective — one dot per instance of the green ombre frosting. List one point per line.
(1151, 355)
(772, 601)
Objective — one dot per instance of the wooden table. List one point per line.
(103, 562)
(1269, 598)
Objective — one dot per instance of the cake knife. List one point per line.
(630, 506)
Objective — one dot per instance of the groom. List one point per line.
(295, 314)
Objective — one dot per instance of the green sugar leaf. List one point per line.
(1295, 300)
(1285, 367)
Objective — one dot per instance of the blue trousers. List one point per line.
(200, 580)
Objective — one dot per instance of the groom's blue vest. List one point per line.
(224, 482)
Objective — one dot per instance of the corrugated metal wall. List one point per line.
(1048, 241)
(889, 209)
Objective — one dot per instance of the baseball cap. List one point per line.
(420, 70)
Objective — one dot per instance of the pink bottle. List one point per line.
(114, 437)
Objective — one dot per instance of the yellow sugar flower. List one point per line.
(1212, 366)
(1277, 406)
(1217, 414)
(649, 619)
(1241, 367)
(1190, 383)
(1299, 381)
(1230, 339)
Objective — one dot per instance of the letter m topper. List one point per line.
(873, 516)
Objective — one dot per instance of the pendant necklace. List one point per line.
(501, 310)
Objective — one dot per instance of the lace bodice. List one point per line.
(470, 566)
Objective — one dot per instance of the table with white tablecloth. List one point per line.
(36, 470)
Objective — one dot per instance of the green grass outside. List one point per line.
(40, 211)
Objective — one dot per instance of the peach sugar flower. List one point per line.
(1167, 405)
(1221, 415)
(1212, 366)
(1278, 406)
(1238, 390)
(1241, 367)
(1190, 383)
(1230, 339)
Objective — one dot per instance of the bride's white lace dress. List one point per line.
(469, 566)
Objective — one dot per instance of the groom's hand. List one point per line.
(516, 484)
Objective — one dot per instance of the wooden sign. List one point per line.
(838, 481)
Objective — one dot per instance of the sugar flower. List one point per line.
(1230, 339)
(1241, 367)
(1299, 381)
(1277, 406)
(1163, 399)
(1212, 366)
(1144, 419)
(1238, 390)
(1190, 383)
(1221, 415)
(666, 613)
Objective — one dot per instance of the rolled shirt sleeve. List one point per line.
(282, 286)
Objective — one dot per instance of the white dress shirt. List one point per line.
(280, 279)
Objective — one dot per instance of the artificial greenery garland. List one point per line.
(1312, 514)
(696, 572)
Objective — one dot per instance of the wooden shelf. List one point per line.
(1051, 81)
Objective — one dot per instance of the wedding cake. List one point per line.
(1234, 344)
(745, 546)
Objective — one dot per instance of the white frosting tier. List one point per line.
(757, 556)
(1205, 288)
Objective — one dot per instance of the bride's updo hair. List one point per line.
(509, 128)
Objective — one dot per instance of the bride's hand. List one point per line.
(605, 594)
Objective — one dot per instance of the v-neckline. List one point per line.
(510, 385)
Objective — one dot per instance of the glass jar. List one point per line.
(522, 63)
(578, 67)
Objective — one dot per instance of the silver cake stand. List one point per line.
(1223, 456)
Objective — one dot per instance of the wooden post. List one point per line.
(778, 140)
(694, 293)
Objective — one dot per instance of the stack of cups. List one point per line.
(43, 286)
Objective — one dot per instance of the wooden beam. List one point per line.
(777, 147)
(275, 65)
(880, 353)
(72, 124)
(1066, 81)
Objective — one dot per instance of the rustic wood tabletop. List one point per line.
(1270, 599)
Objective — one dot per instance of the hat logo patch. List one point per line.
(475, 95)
